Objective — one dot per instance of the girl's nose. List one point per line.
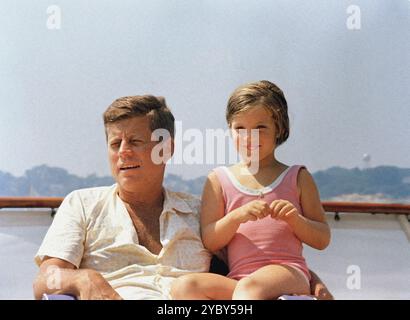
(244, 134)
(252, 136)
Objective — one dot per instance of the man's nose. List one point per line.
(125, 149)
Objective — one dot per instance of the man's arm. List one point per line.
(57, 276)
(318, 288)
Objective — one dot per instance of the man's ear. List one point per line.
(163, 151)
(168, 147)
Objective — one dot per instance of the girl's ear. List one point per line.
(230, 130)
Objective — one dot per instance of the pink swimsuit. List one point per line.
(265, 241)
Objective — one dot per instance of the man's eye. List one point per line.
(137, 143)
(115, 144)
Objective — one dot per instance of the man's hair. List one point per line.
(136, 106)
(261, 93)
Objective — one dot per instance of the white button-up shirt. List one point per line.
(92, 229)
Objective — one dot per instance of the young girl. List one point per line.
(262, 216)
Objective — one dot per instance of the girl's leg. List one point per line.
(203, 286)
(270, 282)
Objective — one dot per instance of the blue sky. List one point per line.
(347, 90)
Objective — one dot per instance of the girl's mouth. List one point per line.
(252, 148)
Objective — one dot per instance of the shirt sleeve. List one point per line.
(66, 235)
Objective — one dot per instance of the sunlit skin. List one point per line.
(254, 131)
(219, 228)
(139, 183)
(254, 135)
(129, 151)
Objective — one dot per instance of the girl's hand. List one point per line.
(283, 210)
(254, 210)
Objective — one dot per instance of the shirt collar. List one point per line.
(174, 203)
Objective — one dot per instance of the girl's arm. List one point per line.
(218, 229)
(311, 227)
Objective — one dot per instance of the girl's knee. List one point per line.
(248, 289)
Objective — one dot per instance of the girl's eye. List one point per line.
(261, 127)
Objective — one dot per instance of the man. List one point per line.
(130, 240)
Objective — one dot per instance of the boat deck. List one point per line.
(368, 258)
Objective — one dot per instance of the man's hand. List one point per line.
(58, 276)
(91, 285)
(254, 210)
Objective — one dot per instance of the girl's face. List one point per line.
(254, 133)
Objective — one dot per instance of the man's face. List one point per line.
(129, 151)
